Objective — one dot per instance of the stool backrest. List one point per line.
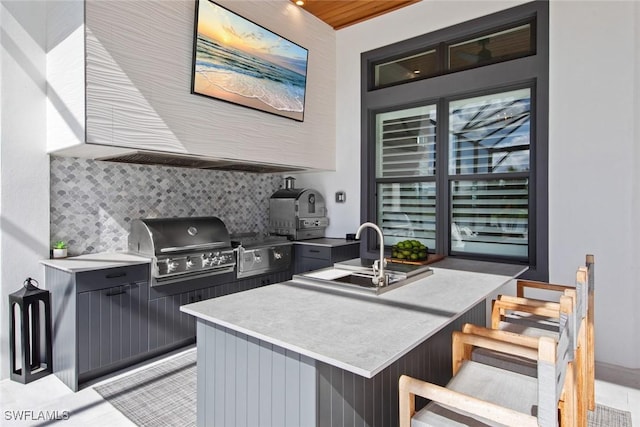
(555, 357)
(590, 263)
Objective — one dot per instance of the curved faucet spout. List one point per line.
(378, 273)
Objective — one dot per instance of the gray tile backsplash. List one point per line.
(93, 202)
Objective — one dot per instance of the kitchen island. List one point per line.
(292, 354)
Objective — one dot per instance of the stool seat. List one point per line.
(499, 386)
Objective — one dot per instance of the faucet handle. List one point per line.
(376, 264)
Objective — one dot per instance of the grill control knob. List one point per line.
(190, 262)
(205, 260)
(171, 265)
(277, 255)
(215, 258)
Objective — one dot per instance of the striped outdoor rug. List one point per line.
(165, 395)
(605, 416)
(161, 395)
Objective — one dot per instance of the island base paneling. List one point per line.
(244, 381)
(346, 399)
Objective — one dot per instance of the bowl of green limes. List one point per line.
(409, 250)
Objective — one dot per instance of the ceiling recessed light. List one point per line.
(416, 71)
(300, 3)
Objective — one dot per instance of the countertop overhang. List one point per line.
(96, 261)
(359, 333)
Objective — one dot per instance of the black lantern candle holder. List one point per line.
(36, 361)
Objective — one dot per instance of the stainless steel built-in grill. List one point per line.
(183, 248)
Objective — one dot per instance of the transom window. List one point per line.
(469, 51)
(457, 160)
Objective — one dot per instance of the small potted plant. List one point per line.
(60, 249)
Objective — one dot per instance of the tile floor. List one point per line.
(615, 387)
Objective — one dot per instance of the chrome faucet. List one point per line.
(379, 278)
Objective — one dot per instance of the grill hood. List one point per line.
(159, 236)
(183, 248)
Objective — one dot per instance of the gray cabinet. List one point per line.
(112, 326)
(308, 257)
(108, 319)
(99, 320)
(168, 326)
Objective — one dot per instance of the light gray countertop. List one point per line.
(362, 334)
(96, 261)
(327, 241)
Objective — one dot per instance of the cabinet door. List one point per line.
(167, 324)
(112, 325)
(345, 252)
(310, 264)
(308, 258)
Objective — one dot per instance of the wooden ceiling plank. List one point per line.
(338, 9)
(340, 14)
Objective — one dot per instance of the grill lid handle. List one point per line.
(213, 245)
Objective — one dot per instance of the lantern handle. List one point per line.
(29, 284)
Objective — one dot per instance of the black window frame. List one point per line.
(530, 70)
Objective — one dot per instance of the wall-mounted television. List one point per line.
(239, 61)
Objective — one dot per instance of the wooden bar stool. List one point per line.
(479, 393)
(522, 285)
(534, 317)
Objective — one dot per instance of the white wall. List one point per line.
(594, 186)
(24, 167)
(636, 178)
(593, 160)
(138, 78)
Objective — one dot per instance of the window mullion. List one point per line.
(442, 179)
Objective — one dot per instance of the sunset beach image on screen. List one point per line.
(238, 61)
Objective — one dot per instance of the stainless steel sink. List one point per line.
(351, 279)
(366, 279)
(358, 264)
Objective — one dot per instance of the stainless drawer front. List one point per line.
(252, 262)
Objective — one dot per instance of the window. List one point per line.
(416, 66)
(501, 45)
(455, 155)
(405, 174)
(489, 138)
(496, 45)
